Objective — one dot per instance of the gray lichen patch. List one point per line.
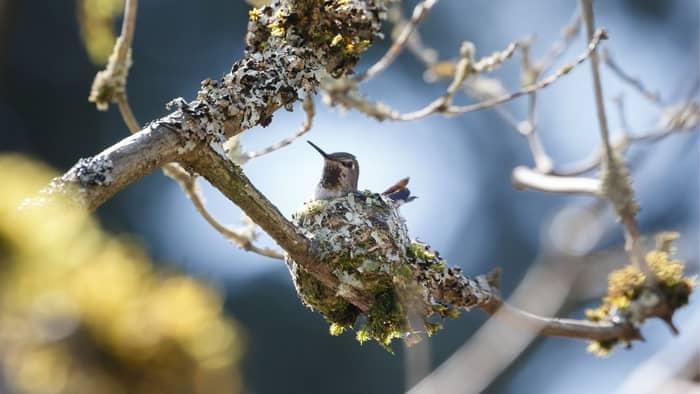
(93, 171)
(364, 239)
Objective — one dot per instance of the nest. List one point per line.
(364, 239)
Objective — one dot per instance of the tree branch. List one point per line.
(527, 178)
(193, 134)
(344, 92)
(419, 13)
(92, 181)
(230, 180)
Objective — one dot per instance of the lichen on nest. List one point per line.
(364, 239)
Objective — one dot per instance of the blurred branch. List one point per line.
(243, 238)
(345, 93)
(587, 12)
(620, 145)
(310, 111)
(110, 84)
(419, 13)
(569, 33)
(625, 77)
(615, 178)
(527, 178)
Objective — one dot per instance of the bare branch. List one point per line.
(110, 83)
(310, 112)
(634, 82)
(244, 239)
(526, 178)
(587, 11)
(593, 161)
(419, 13)
(616, 182)
(545, 82)
(345, 95)
(572, 328)
(127, 113)
(569, 33)
(623, 142)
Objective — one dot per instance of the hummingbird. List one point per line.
(340, 174)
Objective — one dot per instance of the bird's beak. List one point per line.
(324, 154)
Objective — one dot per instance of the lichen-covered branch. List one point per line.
(94, 180)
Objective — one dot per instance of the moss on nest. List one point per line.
(364, 239)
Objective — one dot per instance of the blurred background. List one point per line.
(459, 166)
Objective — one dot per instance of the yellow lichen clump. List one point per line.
(84, 312)
(631, 294)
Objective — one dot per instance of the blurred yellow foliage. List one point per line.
(97, 19)
(84, 312)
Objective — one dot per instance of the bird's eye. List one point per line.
(348, 164)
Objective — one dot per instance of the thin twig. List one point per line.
(545, 82)
(415, 45)
(636, 83)
(543, 163)
(419, 13)
(618, 188)
(569, 33)
(310, 112)
(587, 11)
(189, 186)
(127, 34)
(127, 113)
(347, 97)
(592, 162)
(620, 145)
